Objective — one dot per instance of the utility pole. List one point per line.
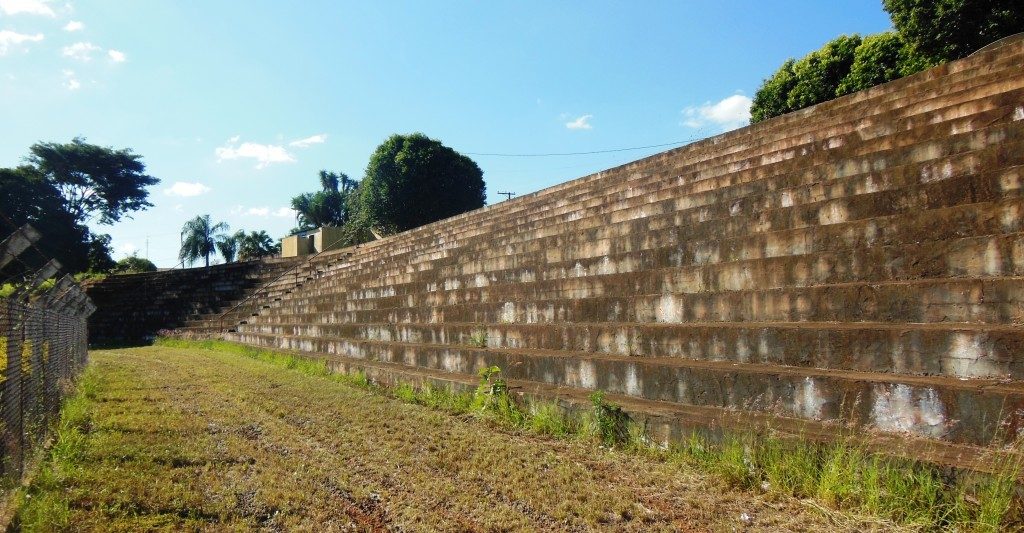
(508, 195)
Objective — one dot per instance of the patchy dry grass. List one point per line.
(180, 437)
(170, 438)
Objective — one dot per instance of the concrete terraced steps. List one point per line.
(395, 242)
(855, 266)
(134, 307)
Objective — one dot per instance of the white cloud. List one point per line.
(264, 154)
(234, 139)
(309, 141)
(81, 51)
(127, 249)
(31, 7)
(9, 39)
(71, 83)
(263, 211)
(727, 114)
(581, 123)
(186, 189)
(74, 25)
(116, 56)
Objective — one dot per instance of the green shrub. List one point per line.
(611, 422)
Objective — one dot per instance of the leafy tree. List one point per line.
(133, 264)
(819, 73)
(413, 180)
(228, 245)
(772, 99)
(813, 79)
(944, 30)
(330, 206)
(256, 245)
(26, 197)
(880, 58)
(199, 237)
(94, 181)
(99, 254)
(928, 32)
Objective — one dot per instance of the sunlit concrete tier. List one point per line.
(134, 307)
(854, 266)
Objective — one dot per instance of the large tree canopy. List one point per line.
(880, 58)
(412, 180)
(819, 73)
(772, 99)
(28, 198)
(63, 187)
(94, 181)
(928, 32)
(944, 30)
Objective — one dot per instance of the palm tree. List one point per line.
(255, 245)
(329, 206)
(228, 245)
(198, 239)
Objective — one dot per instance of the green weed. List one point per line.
(611, 423)
(789, 467)
(547, 418)
(405, 392)
(478, 339)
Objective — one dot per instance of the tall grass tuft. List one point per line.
(41, 505)
(547, 418)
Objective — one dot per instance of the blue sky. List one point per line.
(236, 105)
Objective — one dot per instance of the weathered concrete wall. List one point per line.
(854, 264)
(134, 307)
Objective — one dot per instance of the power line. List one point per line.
(674, 143)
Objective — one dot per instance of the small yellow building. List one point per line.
(312, 242)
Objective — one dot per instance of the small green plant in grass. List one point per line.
(610, 421)
(492, 397)
(996, 497)
(491, 387)
(360, 379)
(547, 418)
(445, 398)
(405, 392)
(734, 464)
(789, 467)
(694, 450)
(840, 470)
(478, 339)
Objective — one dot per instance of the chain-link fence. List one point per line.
(43, 345)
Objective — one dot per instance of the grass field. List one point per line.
(172, 438)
